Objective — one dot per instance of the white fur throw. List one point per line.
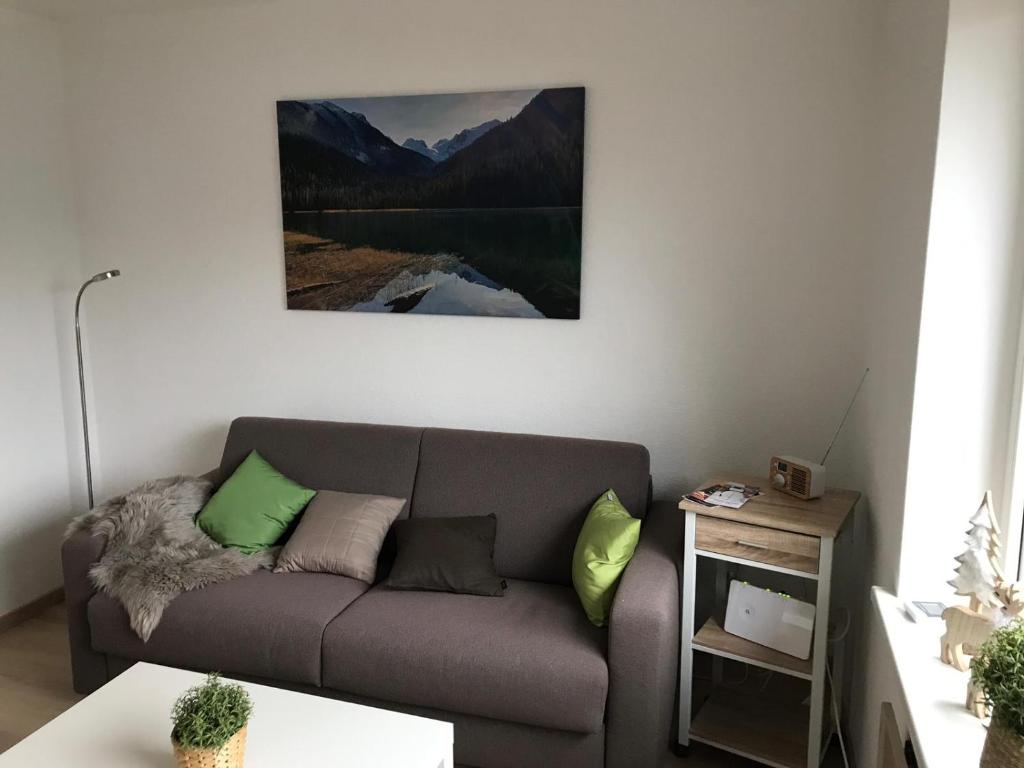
(155, 551)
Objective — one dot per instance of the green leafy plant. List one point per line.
(207, 715)
(998, 669)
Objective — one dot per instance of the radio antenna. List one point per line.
(845, 415)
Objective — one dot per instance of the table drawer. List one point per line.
(763, 545)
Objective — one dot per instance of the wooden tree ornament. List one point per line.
(979, 572)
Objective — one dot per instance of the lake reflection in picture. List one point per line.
(478, 211)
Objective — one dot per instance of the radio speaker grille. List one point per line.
(798, 481)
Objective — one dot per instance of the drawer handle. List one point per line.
(755, 545)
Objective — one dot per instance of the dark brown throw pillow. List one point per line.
(446, 554)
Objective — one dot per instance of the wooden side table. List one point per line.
(774, 532)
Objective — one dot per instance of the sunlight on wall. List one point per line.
(970, 317)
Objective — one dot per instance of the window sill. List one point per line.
(944, 733)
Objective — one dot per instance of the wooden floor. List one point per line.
(35, 675)
(35, 687)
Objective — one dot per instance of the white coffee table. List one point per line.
(126, 724)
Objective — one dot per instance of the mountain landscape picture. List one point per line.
(456, 204)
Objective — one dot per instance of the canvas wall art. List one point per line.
(458, 203)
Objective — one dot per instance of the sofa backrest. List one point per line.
(540, 489)
(330, 456)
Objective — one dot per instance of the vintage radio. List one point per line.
(797, 477)
(805, 479)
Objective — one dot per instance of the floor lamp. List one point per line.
(81, 372)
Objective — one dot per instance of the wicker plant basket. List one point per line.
(231, 755)
(1003, 747)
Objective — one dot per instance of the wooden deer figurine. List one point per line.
(977, 704)
(966, 630)
(1012, 602)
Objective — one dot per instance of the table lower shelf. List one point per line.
(713, 639)
(772, 733)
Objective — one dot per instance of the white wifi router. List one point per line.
(768, 618)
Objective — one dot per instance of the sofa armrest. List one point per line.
(78, 553)
(643, 644)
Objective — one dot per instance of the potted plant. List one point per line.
(998, 671)
(210, 725)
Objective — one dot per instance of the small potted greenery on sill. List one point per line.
(210, 723)
(998, 670)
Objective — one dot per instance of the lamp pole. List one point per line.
(81, 372)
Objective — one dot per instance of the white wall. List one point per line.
(722, 269)
(38, 264)
(970, 319)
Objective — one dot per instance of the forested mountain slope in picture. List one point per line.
(332, 159)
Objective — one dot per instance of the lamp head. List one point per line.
(105, 275)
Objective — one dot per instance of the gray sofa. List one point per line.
(525, 678)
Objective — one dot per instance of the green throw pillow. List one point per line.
(253, 507)
(603, 550)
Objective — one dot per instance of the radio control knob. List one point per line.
(779, 480)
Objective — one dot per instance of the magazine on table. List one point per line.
(732, 495)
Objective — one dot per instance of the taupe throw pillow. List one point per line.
(340, 533)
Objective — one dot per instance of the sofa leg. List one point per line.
(88, 670)
(88, 667)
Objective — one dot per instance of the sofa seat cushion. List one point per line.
(529, 657)
(266, 625)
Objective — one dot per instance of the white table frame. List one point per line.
(815, 747)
